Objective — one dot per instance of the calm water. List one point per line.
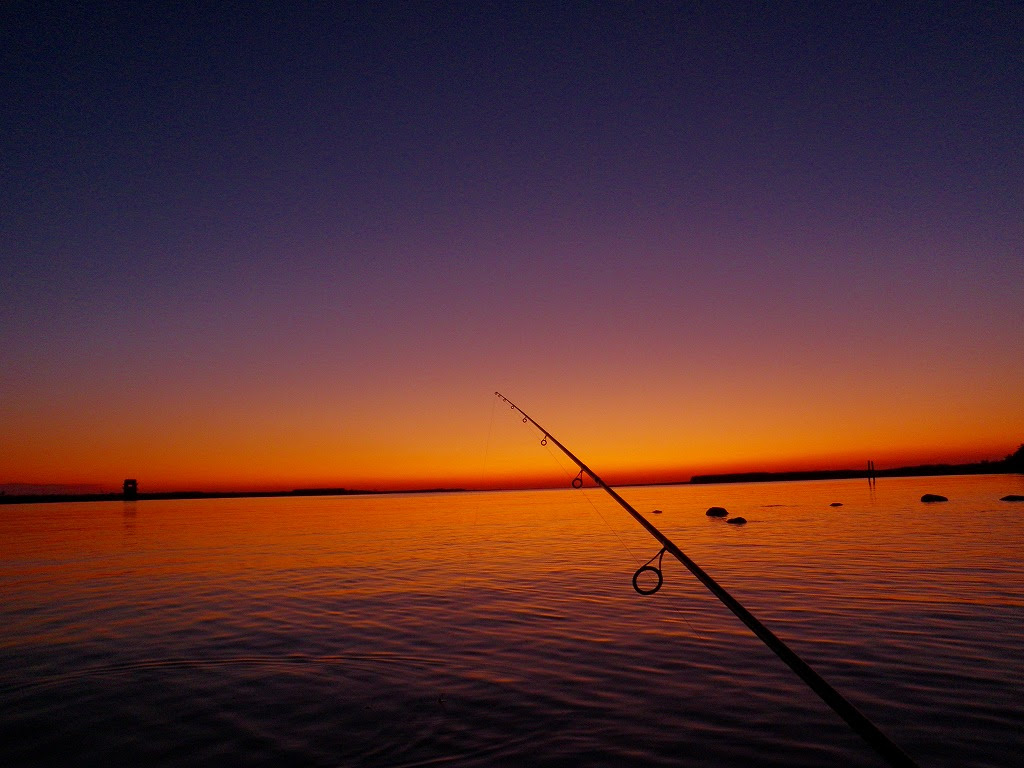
(492, 629)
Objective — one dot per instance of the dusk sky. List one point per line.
(290, 245)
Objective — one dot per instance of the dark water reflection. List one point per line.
(502, 629)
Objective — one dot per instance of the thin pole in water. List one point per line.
(867, 730)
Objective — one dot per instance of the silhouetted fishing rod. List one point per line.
(867, 730)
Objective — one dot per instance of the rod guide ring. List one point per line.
(636, 582)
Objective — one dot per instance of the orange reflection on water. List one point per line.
(529, 592)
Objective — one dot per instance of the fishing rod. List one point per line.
(867, 730)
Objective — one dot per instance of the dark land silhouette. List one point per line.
(1014, 463)
(137, 495)
(1011, 464)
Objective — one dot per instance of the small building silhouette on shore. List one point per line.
(131, 489)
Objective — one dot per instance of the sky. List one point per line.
(271, 245)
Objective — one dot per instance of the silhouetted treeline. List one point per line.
(1012, 463)
(1015, 461)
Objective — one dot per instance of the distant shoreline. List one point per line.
(49, 498)
(922, 470)
(1003, 467)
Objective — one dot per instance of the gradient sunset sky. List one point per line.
(285, 245)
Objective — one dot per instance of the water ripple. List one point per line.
(502, 629)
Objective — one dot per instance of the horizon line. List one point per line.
(998, 466)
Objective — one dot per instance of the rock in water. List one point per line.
(836, 504)
(929, 497)
(1012, 497)
(716, 512)
(737, 521)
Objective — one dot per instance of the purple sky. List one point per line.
(307, 225)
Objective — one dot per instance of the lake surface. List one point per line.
(501, 629)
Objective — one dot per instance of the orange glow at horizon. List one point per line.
(427, 450)
(636, 397)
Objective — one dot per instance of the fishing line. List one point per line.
(487, 454)
(583, 491)
(860, 724)
(643, 568)
(487, 445)
(636, 559)
(467, 547)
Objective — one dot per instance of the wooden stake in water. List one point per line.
(867, 730)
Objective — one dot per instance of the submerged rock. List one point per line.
(1012, 497)
(928, 497)
(737, 521)
(836, 504)
(716, 512)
